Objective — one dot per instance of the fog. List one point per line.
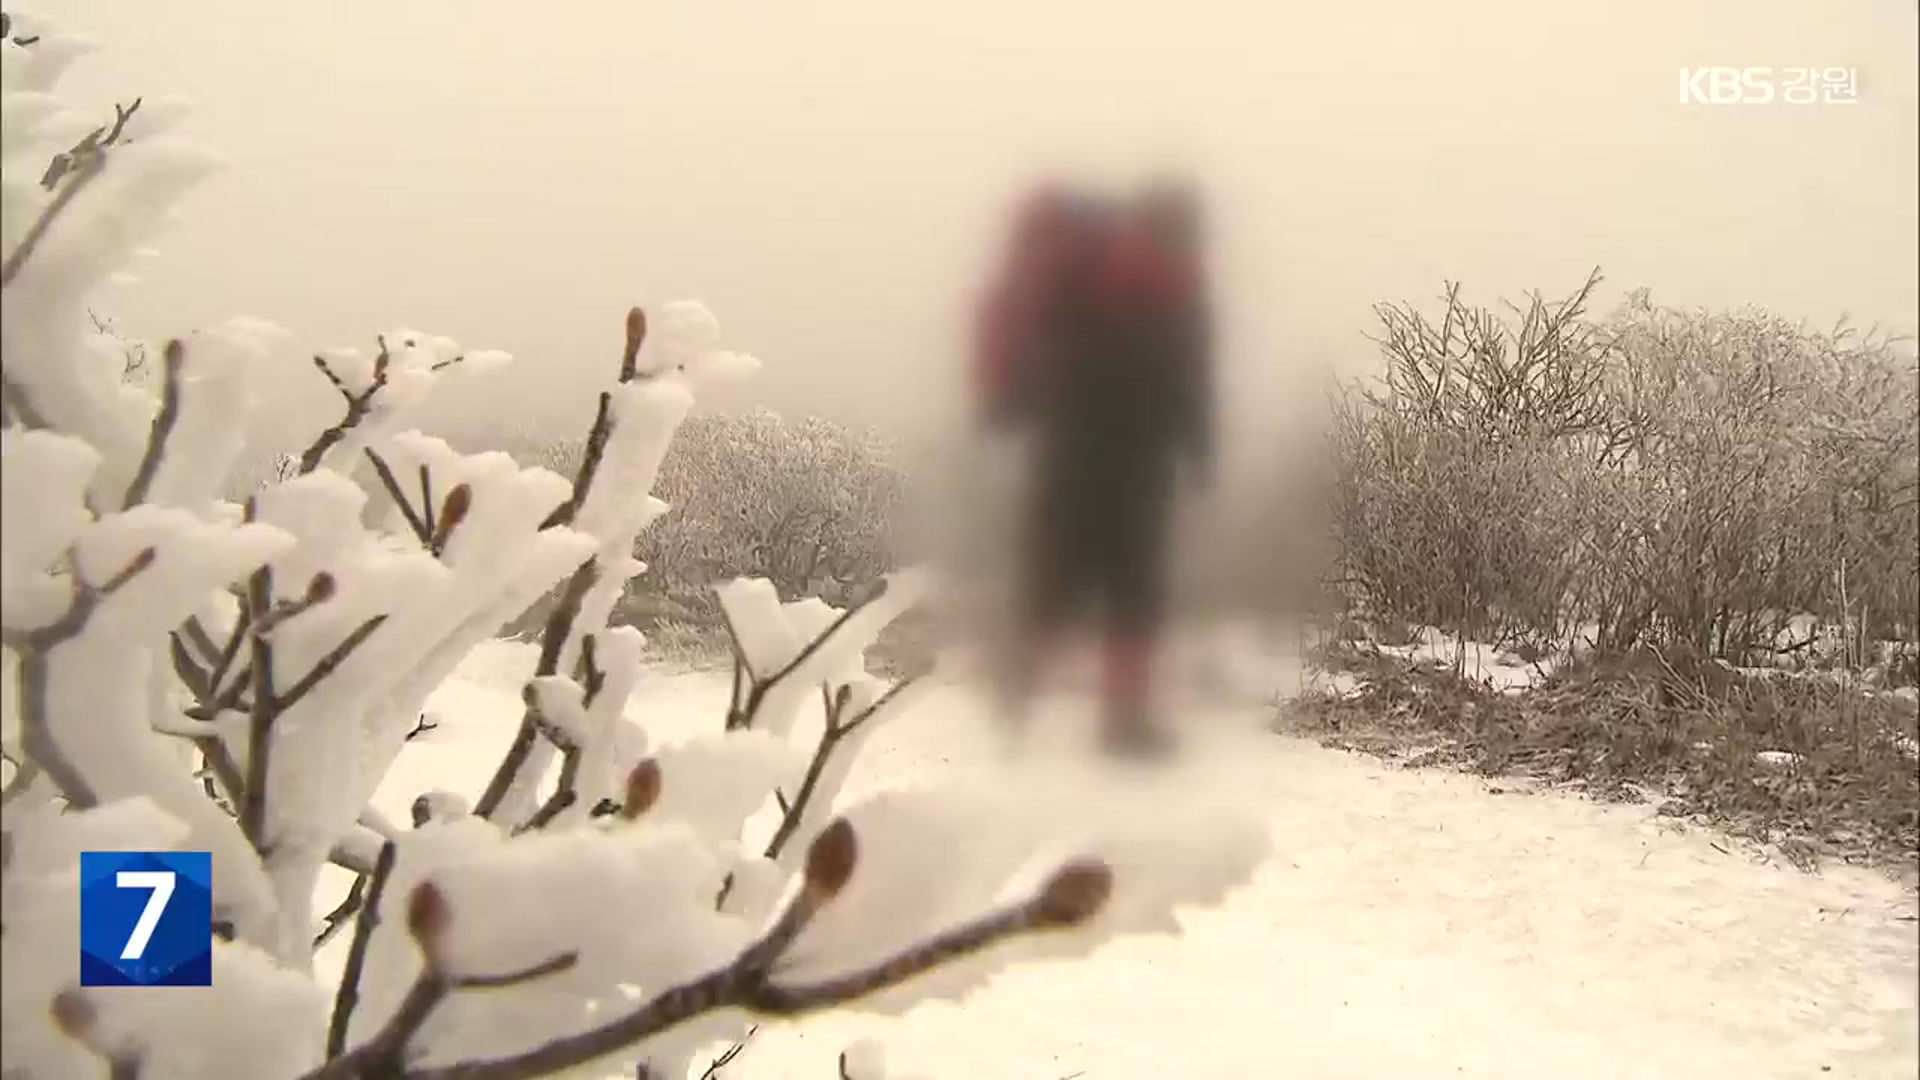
(829, 177)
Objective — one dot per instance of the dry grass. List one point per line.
(1813, 765)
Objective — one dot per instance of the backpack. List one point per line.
(1050, 237)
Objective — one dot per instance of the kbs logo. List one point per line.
(1765, 86)
(146, 918)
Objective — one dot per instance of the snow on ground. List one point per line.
(1413, 923)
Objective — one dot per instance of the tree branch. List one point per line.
(93, 143)
(359, 407)
(269, 704)
(831, 734)
(34, 648)
(329, 663)
(253, 803)
(417, 521)
(347, 996)
(742, 717)
(602, 429)
(559, 628)
(428, 917)
(1073, 895)
(82, 176)
(174, 357)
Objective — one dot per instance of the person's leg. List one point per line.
(1134, 598)
(1048, 580)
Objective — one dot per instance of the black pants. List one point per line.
(1096, 546)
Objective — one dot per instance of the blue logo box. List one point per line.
(146, 918)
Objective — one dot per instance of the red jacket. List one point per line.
(1098, 335)
(1019, 303)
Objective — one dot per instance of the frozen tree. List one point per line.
(182, 672)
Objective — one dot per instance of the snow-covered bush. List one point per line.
(1664, 476)
(807, 504)
(185, 673)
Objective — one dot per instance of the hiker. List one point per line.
(1103, 356)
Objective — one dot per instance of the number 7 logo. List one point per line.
(161, 882)
(146, 918)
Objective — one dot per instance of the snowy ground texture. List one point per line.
(1412, 923)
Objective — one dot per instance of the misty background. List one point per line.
(830, 177)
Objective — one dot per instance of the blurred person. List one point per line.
(1096, 347)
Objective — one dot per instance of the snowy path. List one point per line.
(1411, 924)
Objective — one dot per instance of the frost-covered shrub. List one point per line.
(184, 672)
(807, 504)
(1448, 476)
(1764, 469)
(1655, 475)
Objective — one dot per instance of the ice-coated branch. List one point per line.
(428, 916)
(269, 703)
(417, 520)
(37, 737)
(347, 995)
(174, 357)
(751, 981)
(602, 429)
(837, 728)
(83, 175)
(559, 626)
(359, 406)
(758, 688)
(618, 434)
(344, 913)
(572, 738)
(91, 144)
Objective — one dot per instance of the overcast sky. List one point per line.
(827, 174)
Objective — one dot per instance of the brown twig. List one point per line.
(34, 647)
(345, 912)
(742, 717)
(428, 918)
(269, 703)
(712, 1071)
(175, 357)
(37, 232)
(92, 144)
(559, 627)
(416, 520)
(836, 728)
(1075, 894)
(347, 996)
(359, 407)
(602, 429)
(565, 792)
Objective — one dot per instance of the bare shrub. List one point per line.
(1767, 470)
(1682, 486)
(809, 505)
(1660, 475)
(1454, 477)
